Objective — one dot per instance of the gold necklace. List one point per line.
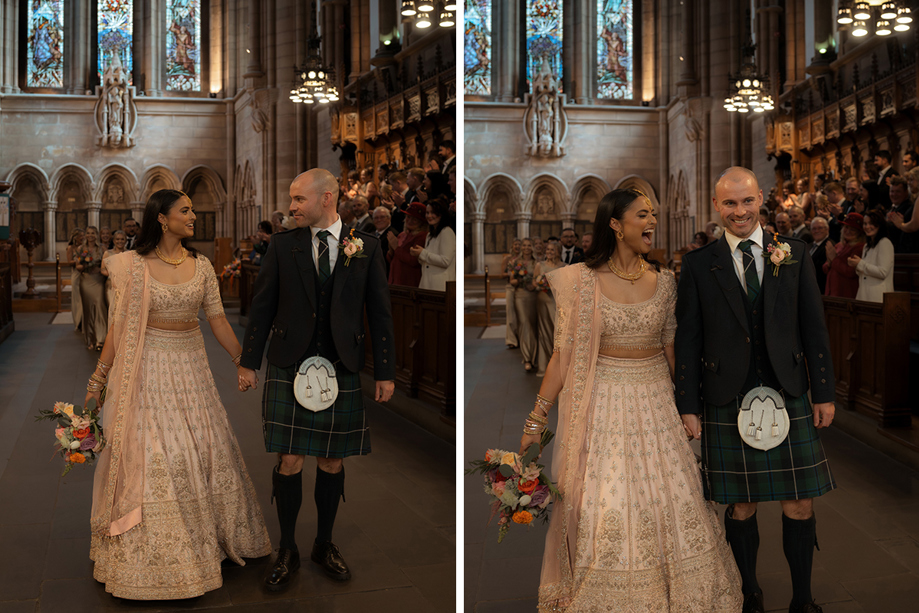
(628, 276)
(175, 262)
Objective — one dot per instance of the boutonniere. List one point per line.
(352, 247)
(779, 254)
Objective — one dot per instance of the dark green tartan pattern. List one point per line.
(732, 471)
(337, 432)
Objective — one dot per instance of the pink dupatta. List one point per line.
(577, 340)
(118, 485)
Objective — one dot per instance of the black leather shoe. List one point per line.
(329, 558)
(753, 603)
(285, 565)
(810, 607)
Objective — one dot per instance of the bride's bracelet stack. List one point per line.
(238, 359)
(97, 381)
(537, 421)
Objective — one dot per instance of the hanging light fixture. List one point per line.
(408, 8)
(749, 91)
(883, 28)
(844, 15)
(447, 20)
(450, 6)
(424, 6)
(860, 28)
(425, 12)
(862, 11)
(313, 82)
(888, 10)
(423, 20)
(882, 13)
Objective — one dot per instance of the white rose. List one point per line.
(75, 445)
(525, 500)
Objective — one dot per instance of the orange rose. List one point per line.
(81, 433)
(522, 517)
(527, 487)
(79, 458)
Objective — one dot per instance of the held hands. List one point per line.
(692, 425)
(384, 390)
(415, 251)
(823, 414)
(248, 378)
(854, 260)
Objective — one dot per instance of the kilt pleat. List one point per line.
(735, 472)
(337, 432)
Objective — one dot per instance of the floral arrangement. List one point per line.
(542, 284)
(86, 259)
(231, 270)
(352, 247)
(79, 432)
(779, 254)
(520, 272)
(520, 490)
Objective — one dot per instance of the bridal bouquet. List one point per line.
(86, 259)
(79, 432)
(231, 270)
(519, 487)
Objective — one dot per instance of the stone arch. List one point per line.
(211, 178)
(500, 182)
(128, 181)
(679, 213)
(470, 198)
(554, 186)
(582, 188)
(158, 177)
(36, 175)
(642, 185)
(77, 173)
(500, 201)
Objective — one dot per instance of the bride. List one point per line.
(171, 495)
(633, 531)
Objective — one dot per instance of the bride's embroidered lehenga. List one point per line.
(171, 497)
(633, 532)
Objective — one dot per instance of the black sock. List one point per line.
(798, 539)
(329, 488)
(288, 490)
(743, 535)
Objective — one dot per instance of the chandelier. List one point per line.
(887, 17)
(424, 10)
(748, 91)
(313, 81)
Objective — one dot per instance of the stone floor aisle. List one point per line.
(397, 528)
(868, 529)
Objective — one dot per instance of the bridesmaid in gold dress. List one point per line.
(92, 291)
(119, 240)
(507, 265)
(171, 497)
(525, 300)
(76, 303)
(633, 531)
(545, 307)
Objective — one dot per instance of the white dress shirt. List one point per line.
(565, 254)
(737, 254)
(332, 240)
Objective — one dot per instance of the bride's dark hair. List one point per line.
(151, 230)
(612, 206)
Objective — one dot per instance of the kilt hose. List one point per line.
(732, 471)
(337, 432)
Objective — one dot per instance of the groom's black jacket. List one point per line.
(714, 344)
(285, 303)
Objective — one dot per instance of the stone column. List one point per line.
(478, 242)
(254, 68)
(50, 233)
(688, 69)
(582, 17)
(506, 23)
(9, 61)
(154, 48)
(92, 209)
(523, 223)
(568, 219)
(137, 211)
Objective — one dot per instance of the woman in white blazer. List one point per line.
(438, 256)
(875, 266)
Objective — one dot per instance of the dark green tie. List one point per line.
(749, 270)
(325, 269)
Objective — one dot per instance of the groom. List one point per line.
(744, 322)
(312, 296)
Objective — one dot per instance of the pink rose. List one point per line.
(498, 488)
(350, 249)
(59, 433)
(777, 256)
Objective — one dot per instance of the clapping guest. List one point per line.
(789, 197)
(438, 256)
(809, 201)
(820, 230)
(353, 184)
(346, 212)
(405, 269)
(383, 229)
(783, 223)
(796, 219)
(360, 207)
(92, 290)
(118, 240)
(277, 222)
(875, 266)
(842, 279)
(522, 279)
(433, 185)
(507, 268)
(545, 307)
(368, 189)
(76, 302)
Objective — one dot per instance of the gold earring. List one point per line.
(165, 227)
(619, 235)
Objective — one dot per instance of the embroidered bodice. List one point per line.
(178, 304)
(645, 325)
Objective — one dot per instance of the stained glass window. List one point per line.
(615, 49)
(544, 37)
(45, 55)
(115, 28)
(477, 54)
(183, 45)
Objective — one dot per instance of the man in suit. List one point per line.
(446, 151)
(798, 228)
(362, 221)
(910, 161)
(570, 253)
(382, 229)
(304, 273)
(885, 172)
(743, 322)
(414, 180)
(903, 242)
(820, 230)
(129, 226)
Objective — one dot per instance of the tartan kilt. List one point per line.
(732, 471)
(337, 432)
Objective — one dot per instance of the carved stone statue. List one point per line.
(545, 121)
(116, 113)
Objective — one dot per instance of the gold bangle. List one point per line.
(238, 359)
(539, 430)
(99, 378)
(545, 400)
(103, 365)
(540, 419)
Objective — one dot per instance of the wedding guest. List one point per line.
(783, 223)
(525, 299)
(438, 256)
(383, 229)
(820, 230)
(789, 197)
(352, 184)
(433, 185)
(586, 241)
(797, 219)
(867, 197)
(171, 497)
(764, 215)
(360, 208)
(118, 240)
(448, 153)
(92, 290)
(809, 201)
(76, 302)
(277, 222)
(875, 265)
(105, 237)
(545, 306)
(260, 241)
(842, 279)
(346, 212)
(130, 228)
(404, 268)
(539, 248)
(699, 239)
(367, 188)
(507, 267)
(882, 161)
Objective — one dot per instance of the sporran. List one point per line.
(762, 419)
(315, 385)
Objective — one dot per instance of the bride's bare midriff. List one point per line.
(183, 327)
(630, 354)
